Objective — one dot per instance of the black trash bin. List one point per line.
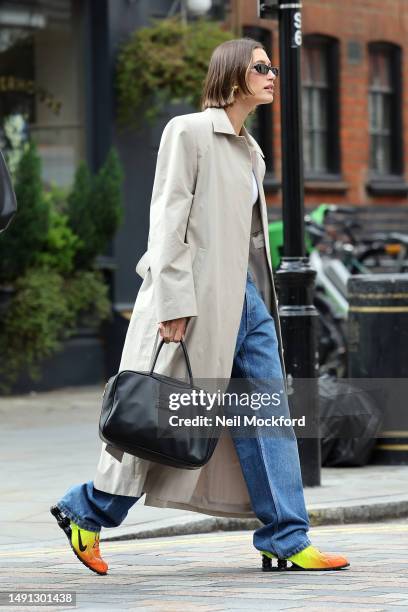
(378, 349)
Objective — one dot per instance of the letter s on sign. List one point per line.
(297, 27)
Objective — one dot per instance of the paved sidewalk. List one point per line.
(50, 442)
(220, 572)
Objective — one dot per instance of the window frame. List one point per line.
(331, 47)
(264, 112)
(396, 127)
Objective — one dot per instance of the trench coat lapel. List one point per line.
(222, 124)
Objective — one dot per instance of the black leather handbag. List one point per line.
(135, 418)
(8, 203)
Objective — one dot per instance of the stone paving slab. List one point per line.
(221, 572)
(49, 442)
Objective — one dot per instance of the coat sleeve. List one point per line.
(172, 196)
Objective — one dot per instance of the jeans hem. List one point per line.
(282, 554)
(299, 548)
(77, 519)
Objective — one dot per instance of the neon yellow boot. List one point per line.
(308, 559)
(85, 544)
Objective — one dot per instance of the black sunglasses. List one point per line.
(264, 69)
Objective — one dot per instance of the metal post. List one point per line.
(295, 275)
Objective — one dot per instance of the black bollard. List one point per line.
(378, 349)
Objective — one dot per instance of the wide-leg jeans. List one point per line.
(269, 463)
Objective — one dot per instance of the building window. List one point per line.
(384, 99)
(42, 82)
(260, 123)
(320, 106)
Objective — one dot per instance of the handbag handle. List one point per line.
(154, 358)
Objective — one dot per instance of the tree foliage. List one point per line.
(95, 208)
(165, 62)
(27, 234)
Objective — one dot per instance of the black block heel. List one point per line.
(63, 521)
(268, 567)
(266, 564)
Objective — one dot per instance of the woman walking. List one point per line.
(207, 279)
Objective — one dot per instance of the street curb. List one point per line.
(362, 513)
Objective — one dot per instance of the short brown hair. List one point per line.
(228, 68)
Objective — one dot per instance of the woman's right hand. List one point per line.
(173, 331)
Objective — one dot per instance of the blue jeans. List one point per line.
(270, 464)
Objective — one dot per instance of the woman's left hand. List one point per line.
(173, 331)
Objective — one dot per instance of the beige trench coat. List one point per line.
(201, 221)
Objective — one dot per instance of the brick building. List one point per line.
(354, 60)
(354, 96)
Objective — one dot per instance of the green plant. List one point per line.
(61, 243)
(107, 202)
(95, 208)
(13, 140)
(32, 326)
(42, 314)
(164, 62)
(87, 293)
(80, 209)
(50, 266)
(27, 234)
